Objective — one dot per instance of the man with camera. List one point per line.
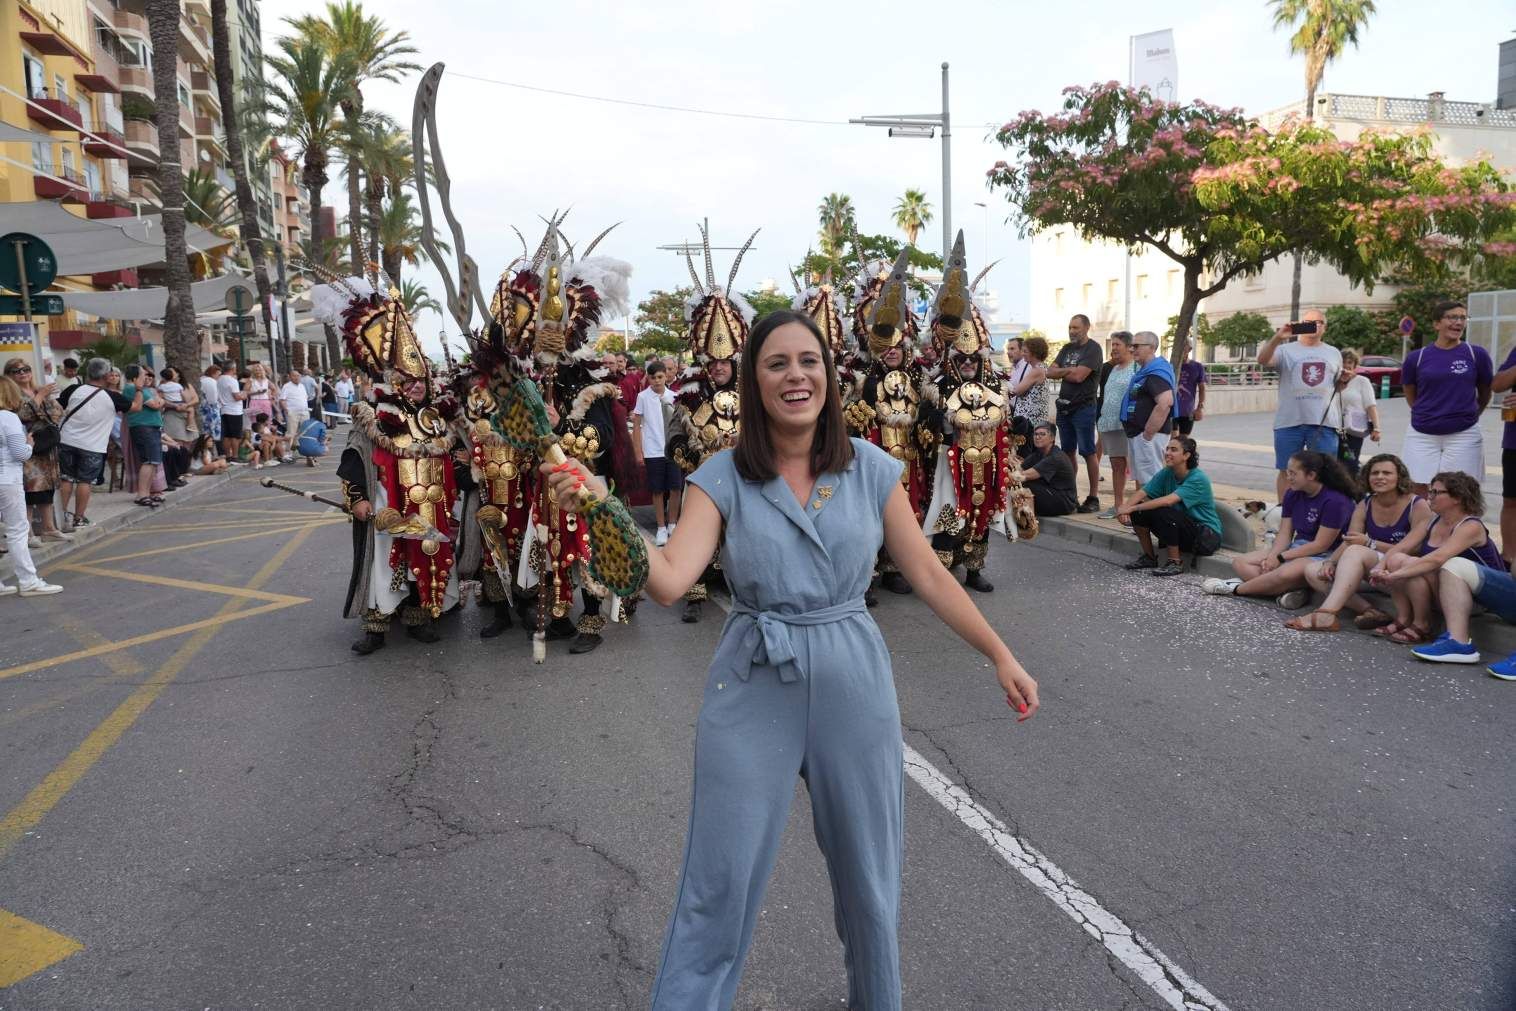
(1308, 414)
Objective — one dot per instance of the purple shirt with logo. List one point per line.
(1191, 378)
(1309, 513)
(1508, 439)
(1447, 382)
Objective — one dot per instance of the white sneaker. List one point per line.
(272, 463)
(6, 590)
(57, 535)
(41, 590)
(34, 541)
(661, 537)
(1221, 587)
(672, 527)
(1293, 600)
(257, 466)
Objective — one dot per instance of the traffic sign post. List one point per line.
(31, 267)
(239, 299)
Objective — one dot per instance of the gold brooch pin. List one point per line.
(825, 491)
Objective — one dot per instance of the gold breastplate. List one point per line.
(502, 466)
(976, 412)
(716, 420)
(897, 400)
(581, 441)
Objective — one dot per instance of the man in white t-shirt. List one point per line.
(89, 414)
(231, 396)
(1308, 414)
(649, 430)
(296, 407)
(344, 390)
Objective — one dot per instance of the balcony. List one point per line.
(63, 184)
(136, 81)
(46, 41)
(204, 86)
(108, 207)
(142, 188)
(186, 121)
(106, 143)
(195, 42)
(54, 114)
(142, 141)
(106, 77)
(125, 278)
(133, 24)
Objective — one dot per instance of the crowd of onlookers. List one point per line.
(144, 432)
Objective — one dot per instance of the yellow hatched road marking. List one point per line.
(187, 584)
(181, 548)
(27, 948)
(122, 664)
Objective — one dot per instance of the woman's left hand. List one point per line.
(566, 480)
(1269, 564)
(1020, 688)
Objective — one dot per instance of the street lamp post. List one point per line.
(925, 126)
(985, 252)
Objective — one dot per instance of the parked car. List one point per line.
(1375, 368)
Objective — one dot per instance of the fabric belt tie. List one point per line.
(765, 638)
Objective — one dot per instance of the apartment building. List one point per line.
(1069, 275)
(291, 203)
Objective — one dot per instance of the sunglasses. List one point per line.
(17, 372)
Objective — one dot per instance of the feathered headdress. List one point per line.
(376, 329)
(719, 318)
(823, 305)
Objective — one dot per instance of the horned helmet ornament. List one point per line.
(885, 307)
(957, 323)
(718, 317)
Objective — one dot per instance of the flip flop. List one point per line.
(1411, 635)
(1308, 623)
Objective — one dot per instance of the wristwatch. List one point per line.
(1279, 557)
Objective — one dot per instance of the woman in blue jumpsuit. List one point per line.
(801, 682)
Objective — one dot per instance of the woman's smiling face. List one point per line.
(792, 377)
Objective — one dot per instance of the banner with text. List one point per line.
(1154, 64)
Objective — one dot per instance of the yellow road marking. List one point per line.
(43, 797)
(88, 549)
(122, 665)
(305, 510)
(226, 524)
(181, 548)
(187, 584)
(27, 948)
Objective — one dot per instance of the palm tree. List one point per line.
(119, 351)
(181, 345)
(375, 54)
(207, 204)
(388, 158)
(837, 220)
(912, 213)
(399, 231)
(302, 88)
(415, 297)
(1323, 29)
(246, 205)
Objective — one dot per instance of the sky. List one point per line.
(514, 155)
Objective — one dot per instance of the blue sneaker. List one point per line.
(1446, 649)
(1505, 669)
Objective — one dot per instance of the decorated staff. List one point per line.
(886, 407)
(706, 406)
(398, 460)
(977, 478)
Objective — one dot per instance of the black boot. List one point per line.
(975, 580)
(499, 623)
(895, 583)
(425, 632)
(370, 642)
(585, 642)
(692, 609)
(558, 628)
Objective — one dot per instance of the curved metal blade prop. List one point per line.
(464, 294)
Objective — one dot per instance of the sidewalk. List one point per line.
(113, 511)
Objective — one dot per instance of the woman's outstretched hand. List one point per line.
(566, 481)
(1020, 688)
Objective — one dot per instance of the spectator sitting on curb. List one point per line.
(1462, 583)
(203, 457)
(1177, 505)
(1316, 510)
(1048, 474)
(1409, 570)
(1389, 511)
(268, 448)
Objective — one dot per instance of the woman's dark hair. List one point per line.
(831, 451)
(1191, 449)
(1046, 426)
(201, 444)
(1444, 307)
(1402, 476)
(1038, 346)
(169, 374)
(1463, 489)
(1327, 470)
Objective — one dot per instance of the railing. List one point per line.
(1417, 110)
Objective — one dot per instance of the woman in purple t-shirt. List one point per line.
(1410, 569)
(1317, 509)
(1447, 385)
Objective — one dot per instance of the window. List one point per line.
(68, 163)
(1085, 291)
(60, 87)
(1142, 286)
(35, 76)
(92, 177)
(1057, 298)
(1110, 289)
(42, 157)
(184, 95)
(1058, 243)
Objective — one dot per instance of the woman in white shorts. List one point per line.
(1447, 385)
(1381, 519)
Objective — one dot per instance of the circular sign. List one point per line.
(239, 299)
(1407, 325)
(41, 265)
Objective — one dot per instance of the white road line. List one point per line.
(1177, 988)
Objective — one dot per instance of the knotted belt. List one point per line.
(764, 638)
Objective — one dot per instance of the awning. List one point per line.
(14, 134)
(99, 245)
(149, 303)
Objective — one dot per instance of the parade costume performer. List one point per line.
(706, 405)
(977, 478)
(543, 319)
(396, 470)
(886, 407)
(800, 685)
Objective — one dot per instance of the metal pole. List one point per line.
(284, 308)
(26, 307)
(1126, 285)
(947, 170)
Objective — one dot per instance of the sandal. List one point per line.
(1372, 619)
(1309, 622)
(1411, 635)
(149, 503)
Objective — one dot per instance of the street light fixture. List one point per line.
(924, 126)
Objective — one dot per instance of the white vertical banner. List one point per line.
(1155, 65)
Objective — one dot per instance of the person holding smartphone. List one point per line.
(1309, 412)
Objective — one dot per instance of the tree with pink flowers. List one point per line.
(1222, 197)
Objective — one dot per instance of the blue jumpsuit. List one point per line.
(800, 685)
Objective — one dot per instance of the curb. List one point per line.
(1494, 637)
(51, 551)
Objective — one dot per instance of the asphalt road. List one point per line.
(245, 814)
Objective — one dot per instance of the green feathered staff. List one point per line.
(618, 554)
